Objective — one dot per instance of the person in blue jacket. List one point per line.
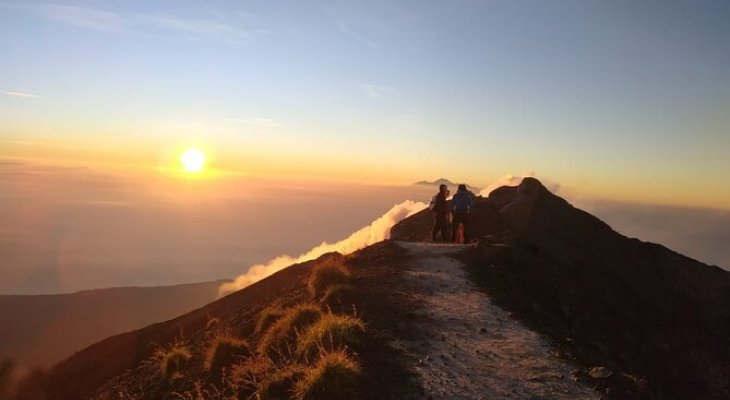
(461, 206)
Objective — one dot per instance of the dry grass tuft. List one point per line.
(340, 296)
(335, 376)
(212, 323)
(327, 275)
(331, 332)
(268, 317)
(201, 393)
(246, 378)
(284, 331)
(280, 385)
(173, 359)
(223, 352)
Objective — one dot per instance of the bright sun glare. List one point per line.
(193, 161)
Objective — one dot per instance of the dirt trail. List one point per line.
(468, 348)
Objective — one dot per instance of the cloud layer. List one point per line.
(377, 231)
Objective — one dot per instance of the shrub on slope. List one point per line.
(282, 334)
(327, 275)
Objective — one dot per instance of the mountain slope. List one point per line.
(408, 351)
(126, 363)
(657, 319)
(80, 375)
(47, 328)
(633, 319)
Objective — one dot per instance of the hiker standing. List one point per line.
(461, 205)
(441, 214)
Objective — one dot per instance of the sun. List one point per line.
(193, 161)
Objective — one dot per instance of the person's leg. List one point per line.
(439, 226)
(445, 232)
(454, 227)
(435, 229)
(466, 228)
(457, 219)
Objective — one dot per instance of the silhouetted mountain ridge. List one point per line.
(48, 328)
(659, 320)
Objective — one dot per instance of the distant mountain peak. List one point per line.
(439, 181)
(447, 182)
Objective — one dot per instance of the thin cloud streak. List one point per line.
(111, 21)
(344, 28)
(80, 16)
(22, 94)
(203, 27)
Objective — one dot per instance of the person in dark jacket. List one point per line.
(461, 206)
(441, 214)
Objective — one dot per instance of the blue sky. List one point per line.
(622, 99)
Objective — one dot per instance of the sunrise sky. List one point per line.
(619, 100)
(149, 143)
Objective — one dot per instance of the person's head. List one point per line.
(443, 188)
(462, 187)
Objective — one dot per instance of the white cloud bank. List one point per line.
(377, 231)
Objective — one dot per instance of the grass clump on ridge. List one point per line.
(280, 384)
(212, 323)
(327, 275)
(338, 297)
(223, 352)
(268, 317)
(284, 331)
(335, 376)
(246, 377)
(332, 332)
(173, 359)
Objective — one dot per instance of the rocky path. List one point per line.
(468, 348)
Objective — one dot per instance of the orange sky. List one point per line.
(162, 163)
